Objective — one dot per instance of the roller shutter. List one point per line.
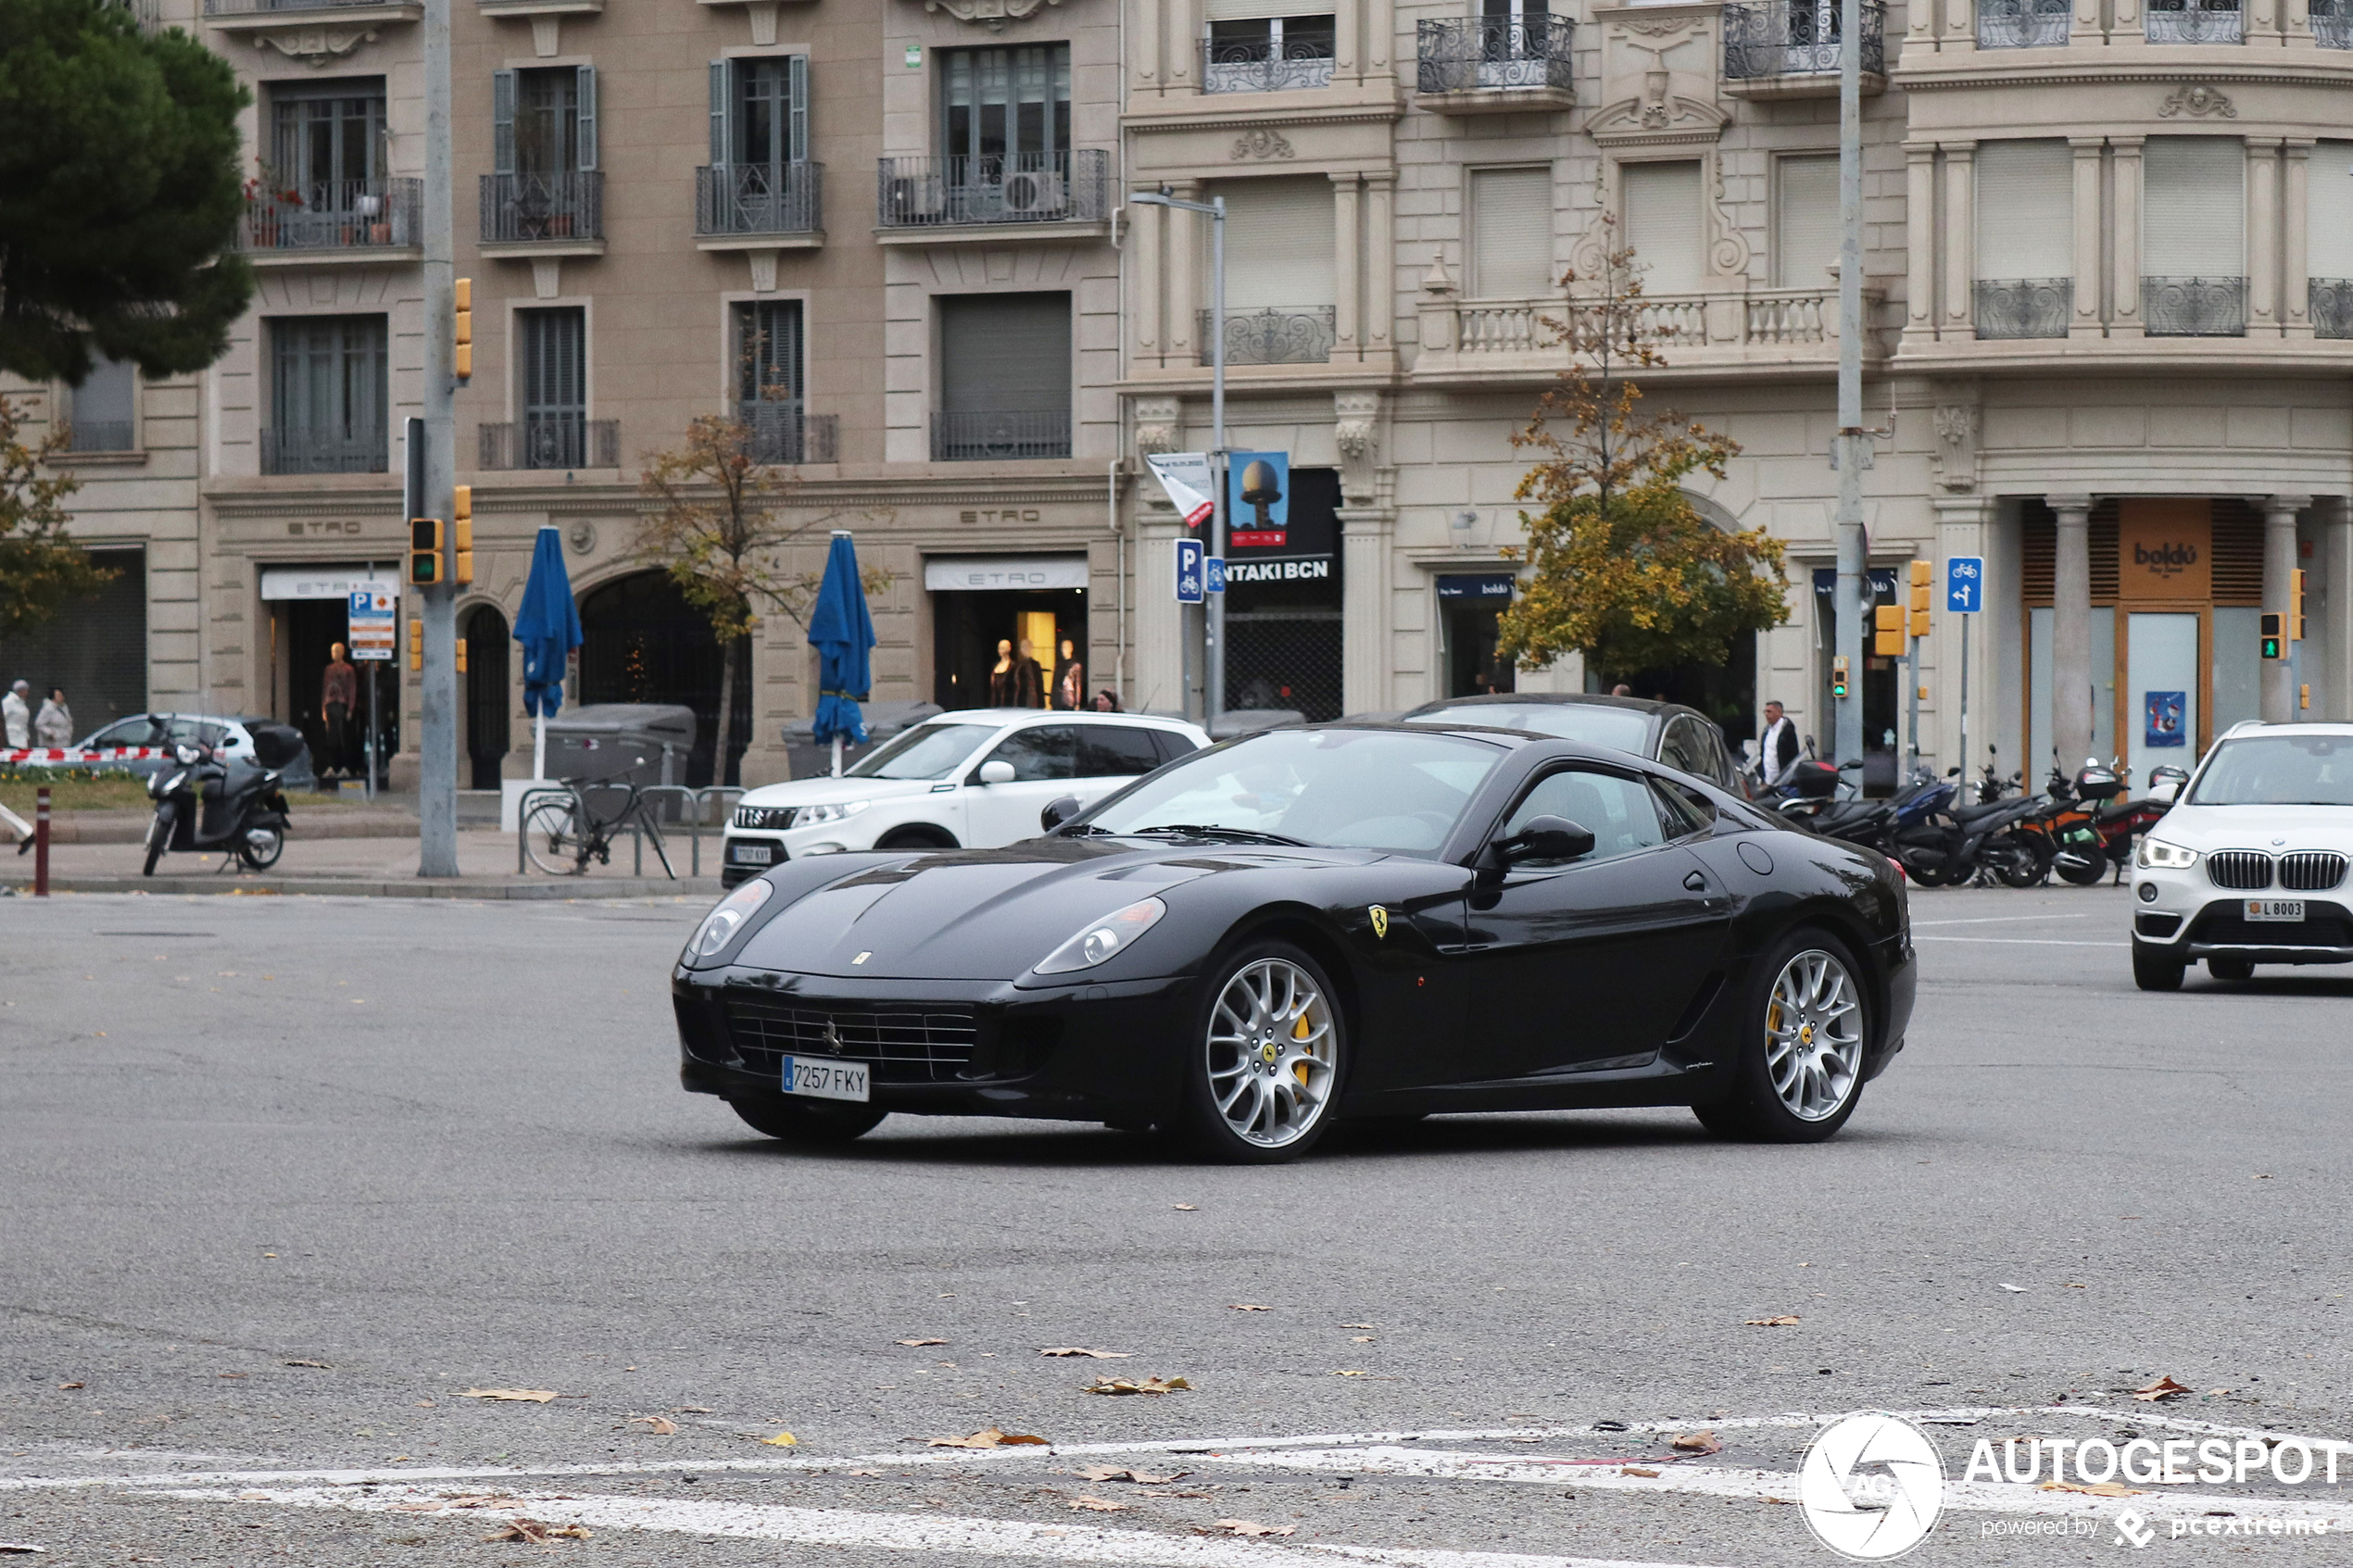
(1511, 233)
(1661, 213)
(2025, 209)
(1004, 353)
(1805, 224)
(1278, 244)
(2194, 208)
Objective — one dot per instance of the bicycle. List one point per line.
(561, 835)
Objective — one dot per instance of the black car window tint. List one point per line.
(1687, 810)
(1620, 812)
(1114, 751)
(1685, 748)
(1048, 751)
(1172, 744)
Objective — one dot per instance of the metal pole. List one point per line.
(1965, 621)
(437, 732)
(373, 709)
(1912, 725)
(1214, 698)
(40, 842)
(1853, 443)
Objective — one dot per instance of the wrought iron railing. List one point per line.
(2194, 307)
(2023, 24)
(2333, 24)
(760, 198)
(325, 449)
(783, 431)
(550, 440)
(256, 8)
(1000, 433)
(1766, 38)
(2330, 304)
(335, 215)
(98, 435)
(532, 209)
(1273, 336)
(2024, 306)
(2192, 23)
(937, 192)
(1264, 66)
(1493, 54)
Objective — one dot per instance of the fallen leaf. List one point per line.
(1638, 1470)
(1348, 1374)
(1360, 1326)
(986, 1438)
(1696, 1443)
(917, 1344)
(22, 1549)
(529, 1395)
(781, 1440)
(1249, 1306)
(2071, 1284)
(866, 1473)
(1129, 1386)
(74, 1385)
(2163, 1389)
(1786, 1321)
(322, 1366)
(1140, 1478)
(531, 1532)
(2014, 1289)
(2095, 1489)
(690, 1409)
(663, 1426)
(1099, 1505)
(1244, 1527)
(1098, 1355)
(1360, 1339)
(2260, 1178)
(228, 1374)
(1187, 1208)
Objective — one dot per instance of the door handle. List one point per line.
(1695, 883)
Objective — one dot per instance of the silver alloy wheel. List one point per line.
(1273, 1054)
(1814, 1035)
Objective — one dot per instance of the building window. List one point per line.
(327, 137)
(543, 139)
(1279, 274)
(2328, 238)
(1005, 109)
(1511, 233)
(2194, 236)
(1660, 215)
(554, 391)
(771, 399)
(760, 179)
(2025, 284)
(1250, 51)
(1806, 228)
(327, 396)
(103, 410)
(1004, 377)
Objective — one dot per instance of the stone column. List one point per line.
(1960, 240)
(1185, 32)
(1348, 282)
(1366, 535)
(2295, 265)
(1919, 241)
(1347, 41)
(2329, 590)
(1381, 251)
(1145, 227)
(2279, 580)
(1157, 684)
(2262, 237)
(2124, 318)
(2084, 320)
(1188, 248)
(2070, 634)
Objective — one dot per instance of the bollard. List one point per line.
(41, 842)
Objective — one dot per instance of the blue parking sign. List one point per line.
(1216, 574)
(1191, 579)
(1964, 583)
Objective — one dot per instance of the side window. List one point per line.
(1686, 810)
(1685, 747)
(1046, 751)
(1620, 813)
(1115, 751)
(1172, 744)
(142, 731)
(193, 733)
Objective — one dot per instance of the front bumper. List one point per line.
(2180, 914)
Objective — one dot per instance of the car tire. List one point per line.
(1241, 1105)
(804, 1122)
(1781, 1092)
(917, 838)
(2157, 971)
(2222, 968)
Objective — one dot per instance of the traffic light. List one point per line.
(462, 536)
(425, 552)
(461, 656)
(1919, 598)
(2296, 608)
(2273, 629)
(416, 643)
(1888, 621)
(462, 334)
(1838, 677)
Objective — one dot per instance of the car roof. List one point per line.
(1002, 716)
(2257, 727)
(1559, 699)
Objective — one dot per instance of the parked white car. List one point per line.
(264, 741)
(2249, 866)
(976, 779)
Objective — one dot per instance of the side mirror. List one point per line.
(1057, 811)
(1545, 838)
(995, 772)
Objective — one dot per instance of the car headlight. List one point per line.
(1103, 937)
(2156, 852)
(811, 816)
(720, 926)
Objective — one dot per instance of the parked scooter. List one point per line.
(210, 801)
(1948, 848)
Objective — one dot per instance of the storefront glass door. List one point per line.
(2166, 685)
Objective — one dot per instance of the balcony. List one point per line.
(1273, 336)
(1486, 342)
(550, 441)
(335, 221)
(2333, 24)
(526, 215)
(1049, 195)
(2015, 307)
(277, 16)
(2175, 21)
(2194, 307)
(744, 206)
(781, 431)
(1790, 48)
(1264, 66)
(325, 449)
(2330, 303)
(2023, 24)
(1494, 65)
(999, 434)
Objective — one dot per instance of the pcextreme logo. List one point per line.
(1872, 1487)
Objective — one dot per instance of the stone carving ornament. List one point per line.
(1260, 143)
(2197, 100)
(990, 14)
(1956, 427)
(314, 46)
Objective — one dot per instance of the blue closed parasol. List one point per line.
(548, 628)
(843, 634)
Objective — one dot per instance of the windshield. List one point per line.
(2279, 771)
(927, 751)
(1353, 789)
(1622, 729)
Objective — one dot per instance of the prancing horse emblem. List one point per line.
(1380, 922)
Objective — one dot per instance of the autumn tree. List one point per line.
(720, 523)
(40, 568)
(1624, 569)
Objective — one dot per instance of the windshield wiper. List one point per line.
(1210, 830)
(1078, 830)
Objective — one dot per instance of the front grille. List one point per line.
(2234, 931)
(906, 1045)
(2311, 871)
(2243, 868)
(771, 818)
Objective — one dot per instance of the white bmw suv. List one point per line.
(976, 779)
(2249, 866)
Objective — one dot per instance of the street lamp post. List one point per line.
(1214, 608)
(1853, 442)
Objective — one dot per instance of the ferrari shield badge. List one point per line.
(1380, 922)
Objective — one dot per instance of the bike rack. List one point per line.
(710, 791)
(695, 808)
(522, 814)
(693, 799)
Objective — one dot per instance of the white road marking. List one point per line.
(2022, 941)
(1997, 920)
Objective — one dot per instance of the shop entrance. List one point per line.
(642, 642)
(487, 694)
(310, 612)
(1469, 606)
(979, 603)
(1283, 603)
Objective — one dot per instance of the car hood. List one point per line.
(2255, 827)
(826, 791)
(995, 914)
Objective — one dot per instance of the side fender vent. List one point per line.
(1701, 999)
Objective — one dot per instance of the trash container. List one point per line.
(884, 720)
(643, 743)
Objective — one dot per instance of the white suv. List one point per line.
(977, 779)
(2249, 866)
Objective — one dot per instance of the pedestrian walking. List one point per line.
(15, 715)
(54, 726)
(338, 695)
(1777, 748)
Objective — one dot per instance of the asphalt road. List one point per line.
(284, 1178)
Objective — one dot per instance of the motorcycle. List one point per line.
(1873, 824)
(1948, 847)
(210, 801)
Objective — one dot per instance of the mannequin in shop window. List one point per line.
(1001, 676)
(1029, 680)
(1070, 679)
(338, 695)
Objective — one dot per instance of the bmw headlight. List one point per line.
(811, 816)
(720, 926)
(1103, 937)
(2172, 857)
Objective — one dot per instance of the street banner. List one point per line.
(1258, 499)
(1185, 477)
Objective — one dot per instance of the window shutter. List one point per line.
(797, 82)
(502, 122)
(1660, 212)
(720, 140)
(2025, 209)
(1511, 233)
(1006, 353)
(1805, 224)
(1278, 244)
(2194, 208)
(587, 117)
(2328, 236)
